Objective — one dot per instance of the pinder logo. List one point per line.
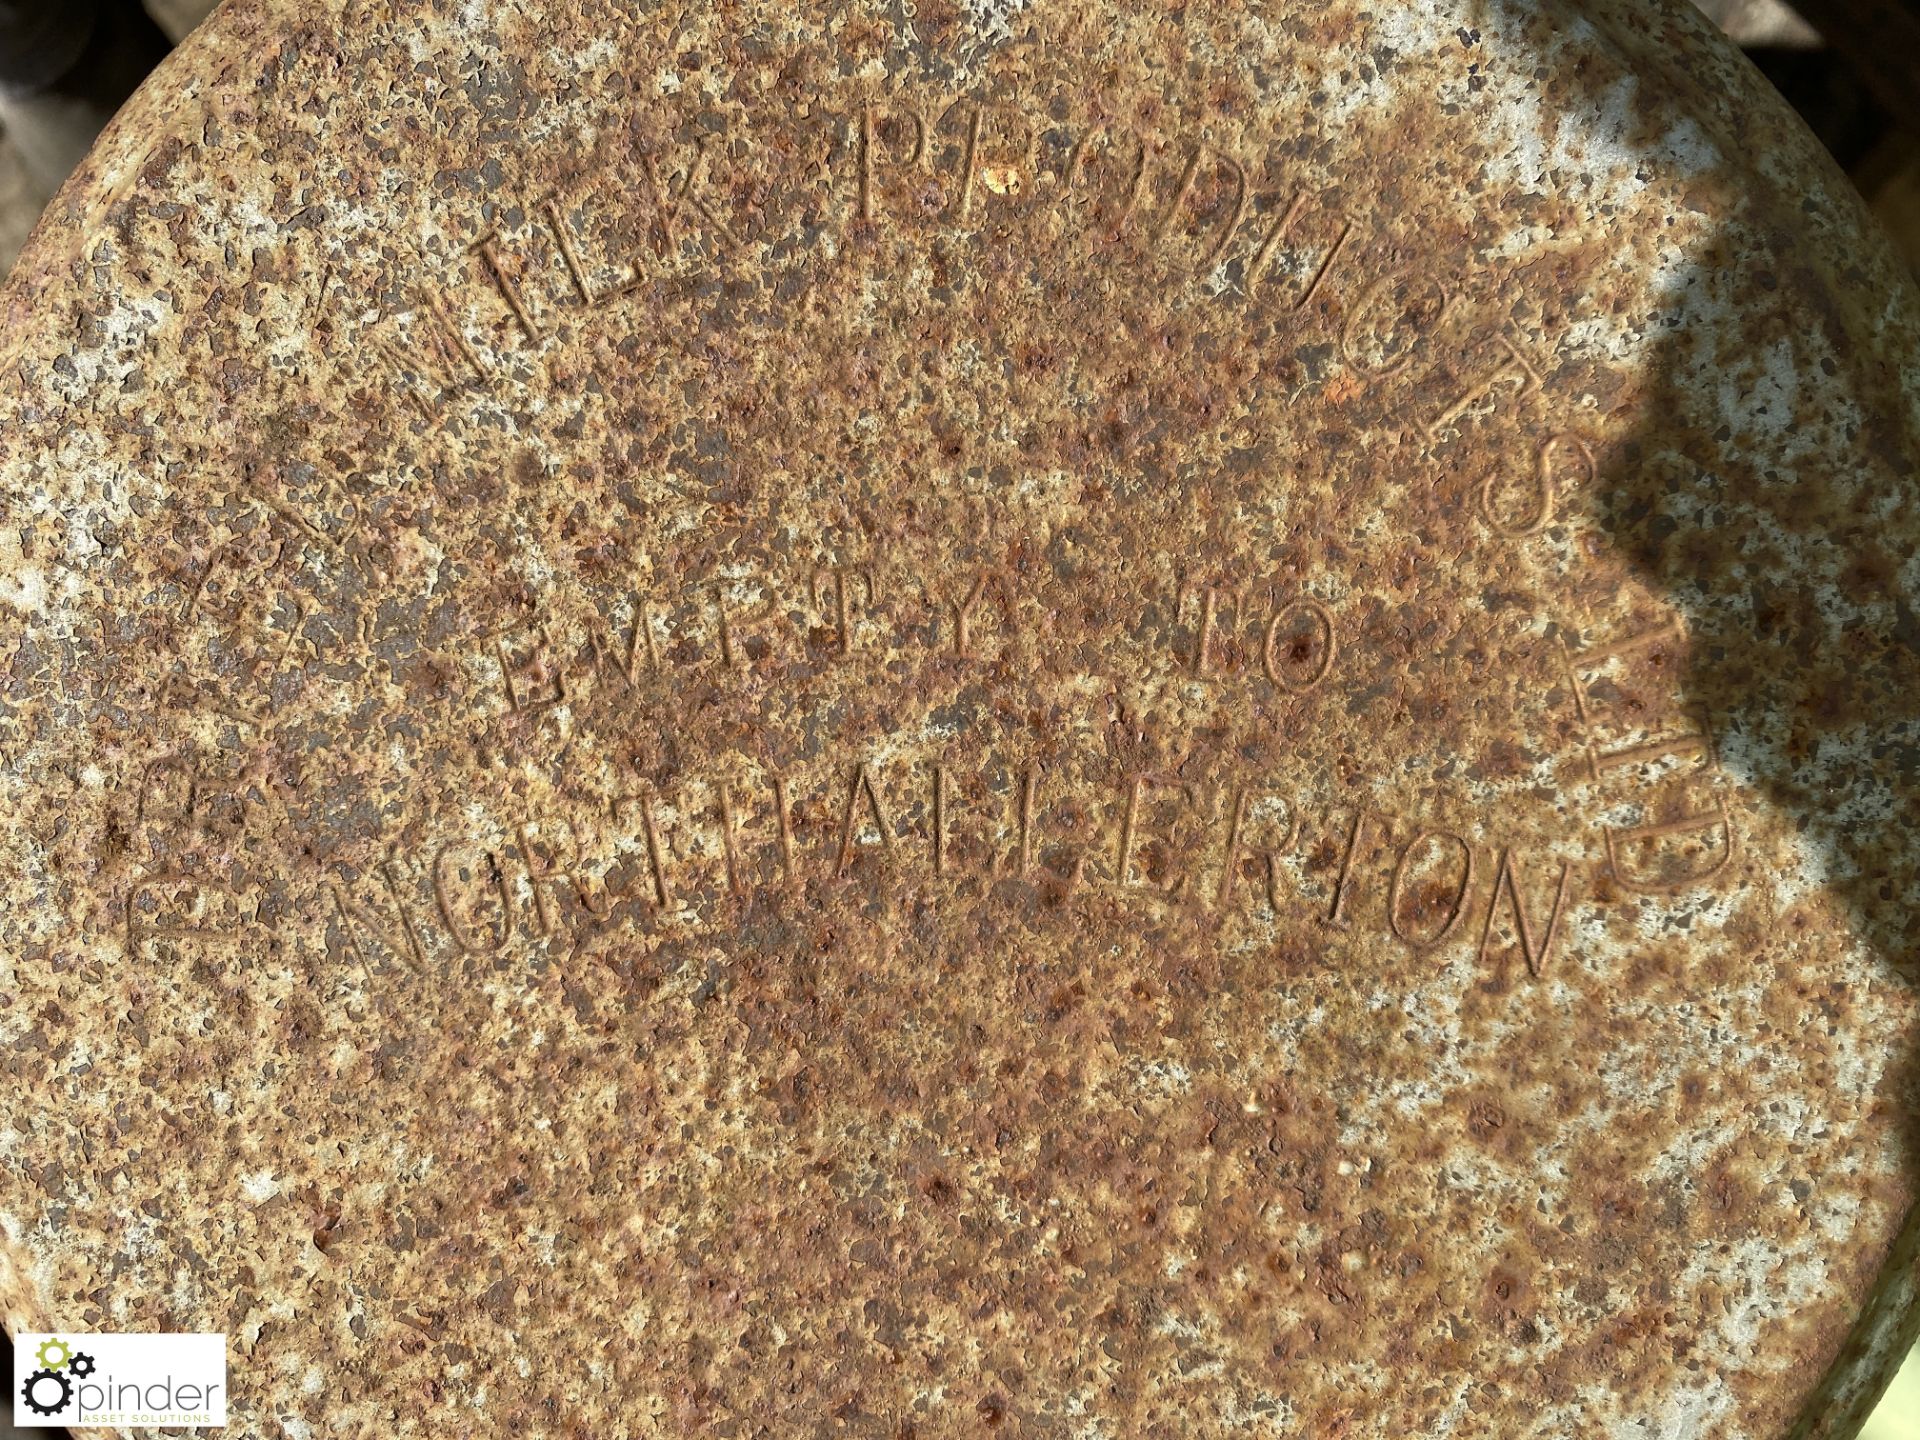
(49, 1390)
(84, 1380)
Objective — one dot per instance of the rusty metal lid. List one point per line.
(886, 719)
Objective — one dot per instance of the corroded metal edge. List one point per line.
(159, 107)
(1889, 1324)
(1726, 83)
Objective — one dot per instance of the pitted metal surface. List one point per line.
(926, 718)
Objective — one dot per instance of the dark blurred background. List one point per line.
(1852, 70)
(65, 66)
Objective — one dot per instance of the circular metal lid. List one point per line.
(893, 718)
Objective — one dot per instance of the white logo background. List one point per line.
(75, 1379)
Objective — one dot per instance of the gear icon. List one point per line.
(40, 1377)
(48, 1348)
(82, 1364)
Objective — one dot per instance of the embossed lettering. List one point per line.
(862, 794)
(1417, 317)
(619, 807)
(551, 865)
(1682, 865)
(361, 922)
(1507, 882)
(529, 670)
(1280, 231)
(448, 872)
(1513, 369)
(1405, 873)
(964, 611)
(840, 584)
(1300, 645)
(1240, 846)
(1236, 174)
(1338, 914)
(870, 158)
(1132, 839)
(1537, 511)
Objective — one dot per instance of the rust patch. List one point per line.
(1018, 716)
